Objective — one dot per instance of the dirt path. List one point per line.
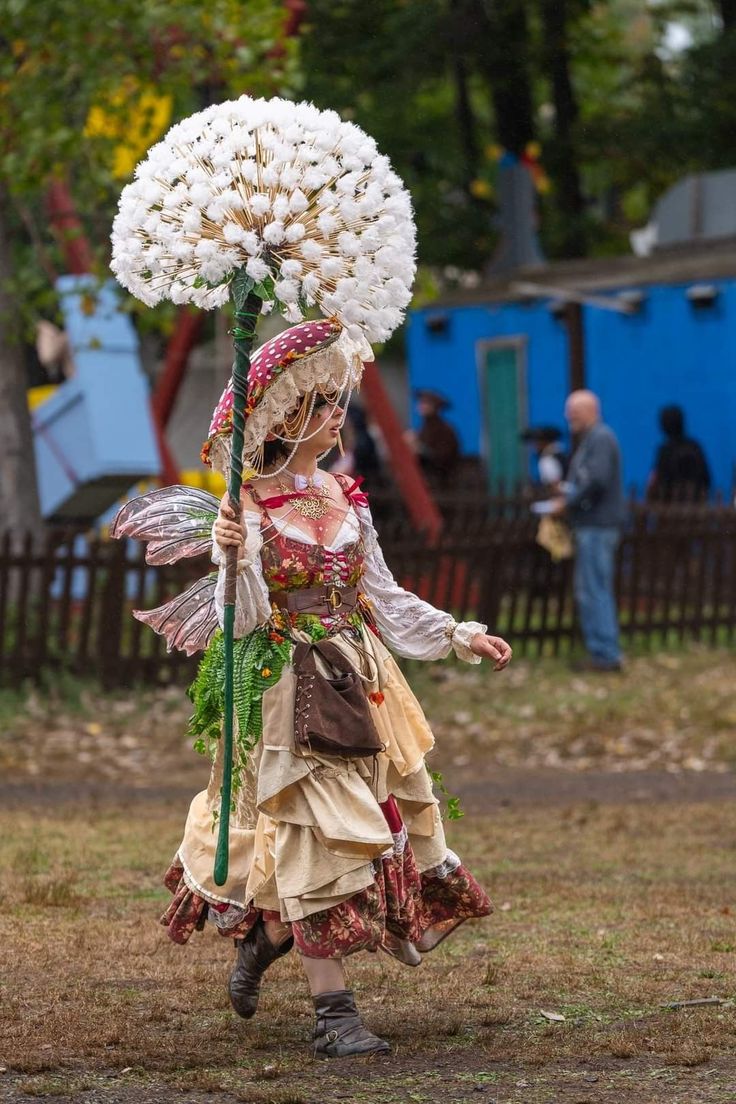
(481, 790)
(460, 1078)
(577, 797)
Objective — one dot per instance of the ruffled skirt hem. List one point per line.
(421, 909)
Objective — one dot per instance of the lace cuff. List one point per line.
(461, 636)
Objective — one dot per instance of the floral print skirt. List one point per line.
(421, 909)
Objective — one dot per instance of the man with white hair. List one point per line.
(594, 506)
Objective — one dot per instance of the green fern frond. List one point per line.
(258, 660)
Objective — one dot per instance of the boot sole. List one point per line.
(321, 1055)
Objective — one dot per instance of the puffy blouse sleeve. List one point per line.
(252, 606)
(411, 627)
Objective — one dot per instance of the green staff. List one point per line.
(247, 310)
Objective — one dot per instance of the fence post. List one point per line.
(490, 591)
(110, 625)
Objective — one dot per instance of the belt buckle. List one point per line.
(334, 598)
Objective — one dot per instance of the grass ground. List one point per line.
(609, 909)
(671, 711)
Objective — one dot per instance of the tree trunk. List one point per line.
(19, 506)
(561, 160)
(503, 52)
(728, 13)
(457, 48)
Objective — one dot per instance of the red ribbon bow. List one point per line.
(355, 495)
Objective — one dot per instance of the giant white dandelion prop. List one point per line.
(279, 206)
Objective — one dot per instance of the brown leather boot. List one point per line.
(339, 1031)
(255, 954)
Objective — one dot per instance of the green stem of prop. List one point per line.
(247, 310)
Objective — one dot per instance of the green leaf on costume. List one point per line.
(453, 811)
(265, 289)
(241, 286)
(258, 660)
(207, 694)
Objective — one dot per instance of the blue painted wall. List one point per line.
(669, 352)
(447, 361)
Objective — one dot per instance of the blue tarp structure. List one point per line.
(94, 436)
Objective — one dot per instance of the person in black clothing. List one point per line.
(436, 443)
(552, 460)
(680, 469)
(367, 460)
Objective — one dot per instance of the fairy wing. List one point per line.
(176, 522)
(189, 621)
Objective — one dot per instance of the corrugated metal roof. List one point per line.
(689, 263)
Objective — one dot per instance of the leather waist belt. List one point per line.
(323, 601)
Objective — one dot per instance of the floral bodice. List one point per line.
(290, 564)
(276, 559)
(170, 519)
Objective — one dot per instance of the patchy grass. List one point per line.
(606, 912)
(673, 711)
(601, 918)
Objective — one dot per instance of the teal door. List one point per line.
(504, 413)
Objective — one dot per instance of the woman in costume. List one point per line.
(329, 853)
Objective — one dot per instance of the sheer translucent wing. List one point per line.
(189, 621)
(175, 521)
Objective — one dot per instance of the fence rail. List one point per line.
(67, 603)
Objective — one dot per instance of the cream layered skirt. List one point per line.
(346, 850)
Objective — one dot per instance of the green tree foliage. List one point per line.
(389, 66)
(84, 89)
(61, 60)
(618, 113)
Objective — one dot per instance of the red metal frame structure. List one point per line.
(404, 464)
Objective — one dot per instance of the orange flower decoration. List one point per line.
(266, 672)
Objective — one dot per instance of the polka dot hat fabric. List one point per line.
(266, 364)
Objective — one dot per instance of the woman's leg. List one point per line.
(339, 1031)
(325, 975)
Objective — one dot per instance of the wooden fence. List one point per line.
(67, 605)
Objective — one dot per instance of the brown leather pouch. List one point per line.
(332, 715)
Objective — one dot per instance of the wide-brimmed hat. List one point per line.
(545, 434)
(312, 356)
(426, 393)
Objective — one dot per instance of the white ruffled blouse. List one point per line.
(410, 627)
